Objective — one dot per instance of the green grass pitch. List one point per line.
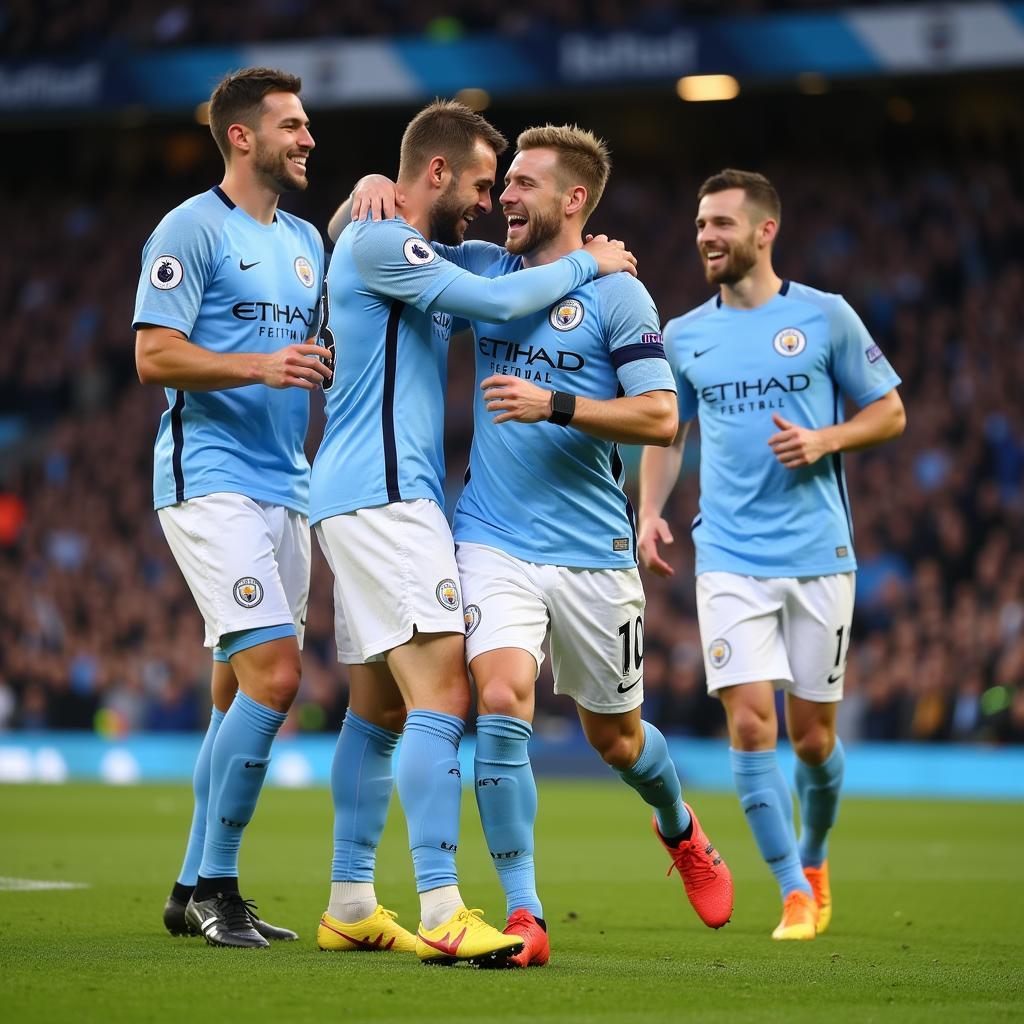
(929, 903)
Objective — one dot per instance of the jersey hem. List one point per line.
(272, 498)
(526, 556)
(780, 574)
(373, 501)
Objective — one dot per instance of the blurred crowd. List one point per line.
(92, 26)
(97, 630)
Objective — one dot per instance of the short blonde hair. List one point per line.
(583, 158)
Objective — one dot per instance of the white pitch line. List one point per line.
(36, 885)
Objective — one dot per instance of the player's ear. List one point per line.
(576, 201)
(767, 231)
(439, 172)
(240, 137)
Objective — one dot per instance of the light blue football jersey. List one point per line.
(232, 284)
(389, 307)
(797, 355)
(543, 492)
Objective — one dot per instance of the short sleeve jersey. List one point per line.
(232, 284)
(798, 355)
(543, 492)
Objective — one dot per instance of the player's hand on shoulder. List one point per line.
(651, 532)
(797, 446)
(611, 255)
(512, 398)
(297, 366)
(373, 198)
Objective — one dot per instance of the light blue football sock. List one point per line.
(201, 801)
(238, 766)
(818, 787)
(655, 778)
(768, 806)
(430, 788)
(506, 794)
(361, 784)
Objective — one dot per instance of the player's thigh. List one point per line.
(225, 546)
(597, 637)
(395, 576)
(430, 670)
(816, 625)
(506, 622)
(740, 619)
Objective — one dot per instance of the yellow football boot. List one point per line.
(818, 878)
(799, 917)
(465, 937)
(378, 932)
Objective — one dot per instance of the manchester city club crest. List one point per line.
(719, 653)
(790, 341)
(248, 592)
(566, 315)
(472, 617)
(166, 273)
(304, 271)
(448, 595)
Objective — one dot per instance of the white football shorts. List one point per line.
(394, 575)
(793, 632)
(245, 561)
(594, 616)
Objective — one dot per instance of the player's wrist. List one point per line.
(561, 408)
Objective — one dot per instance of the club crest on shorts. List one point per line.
(417, 251)
(448, 595)
(790, 341)
(248, 592)
(566, 315)
(304, 271)
(472, 617)
(719, 653)
(166, 273)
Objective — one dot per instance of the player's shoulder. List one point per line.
(393, 240)
(829, 303)
(679, 325)
(621, 288)
(202, 214)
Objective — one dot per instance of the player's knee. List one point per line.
(815, 745)
(499, 696)
(750, 730)
(619, 750)
(280, 684)
(392, 719)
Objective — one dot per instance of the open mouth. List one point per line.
(516, 222)
(298, 162)
(714, 256)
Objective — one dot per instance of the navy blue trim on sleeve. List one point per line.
(388, 404)
(631, 353)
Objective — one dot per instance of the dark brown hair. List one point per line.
(446, 128)
(238, 99)
(759, 190)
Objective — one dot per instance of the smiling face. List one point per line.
(282, 143)
(467, 197)
(533, 201)
(729, 241)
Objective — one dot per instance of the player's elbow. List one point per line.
(664, 420)
(897, 416)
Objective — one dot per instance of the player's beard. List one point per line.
(541, 227)
(274, 168)
(446, 218)
(740, 259)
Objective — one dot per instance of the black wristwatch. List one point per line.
(563, 408)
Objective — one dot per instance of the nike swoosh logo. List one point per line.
(626, 689)
(247, 266)
(377, 943)
(254, 764)
(835, 679)
(445, 945)
(697, 355)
